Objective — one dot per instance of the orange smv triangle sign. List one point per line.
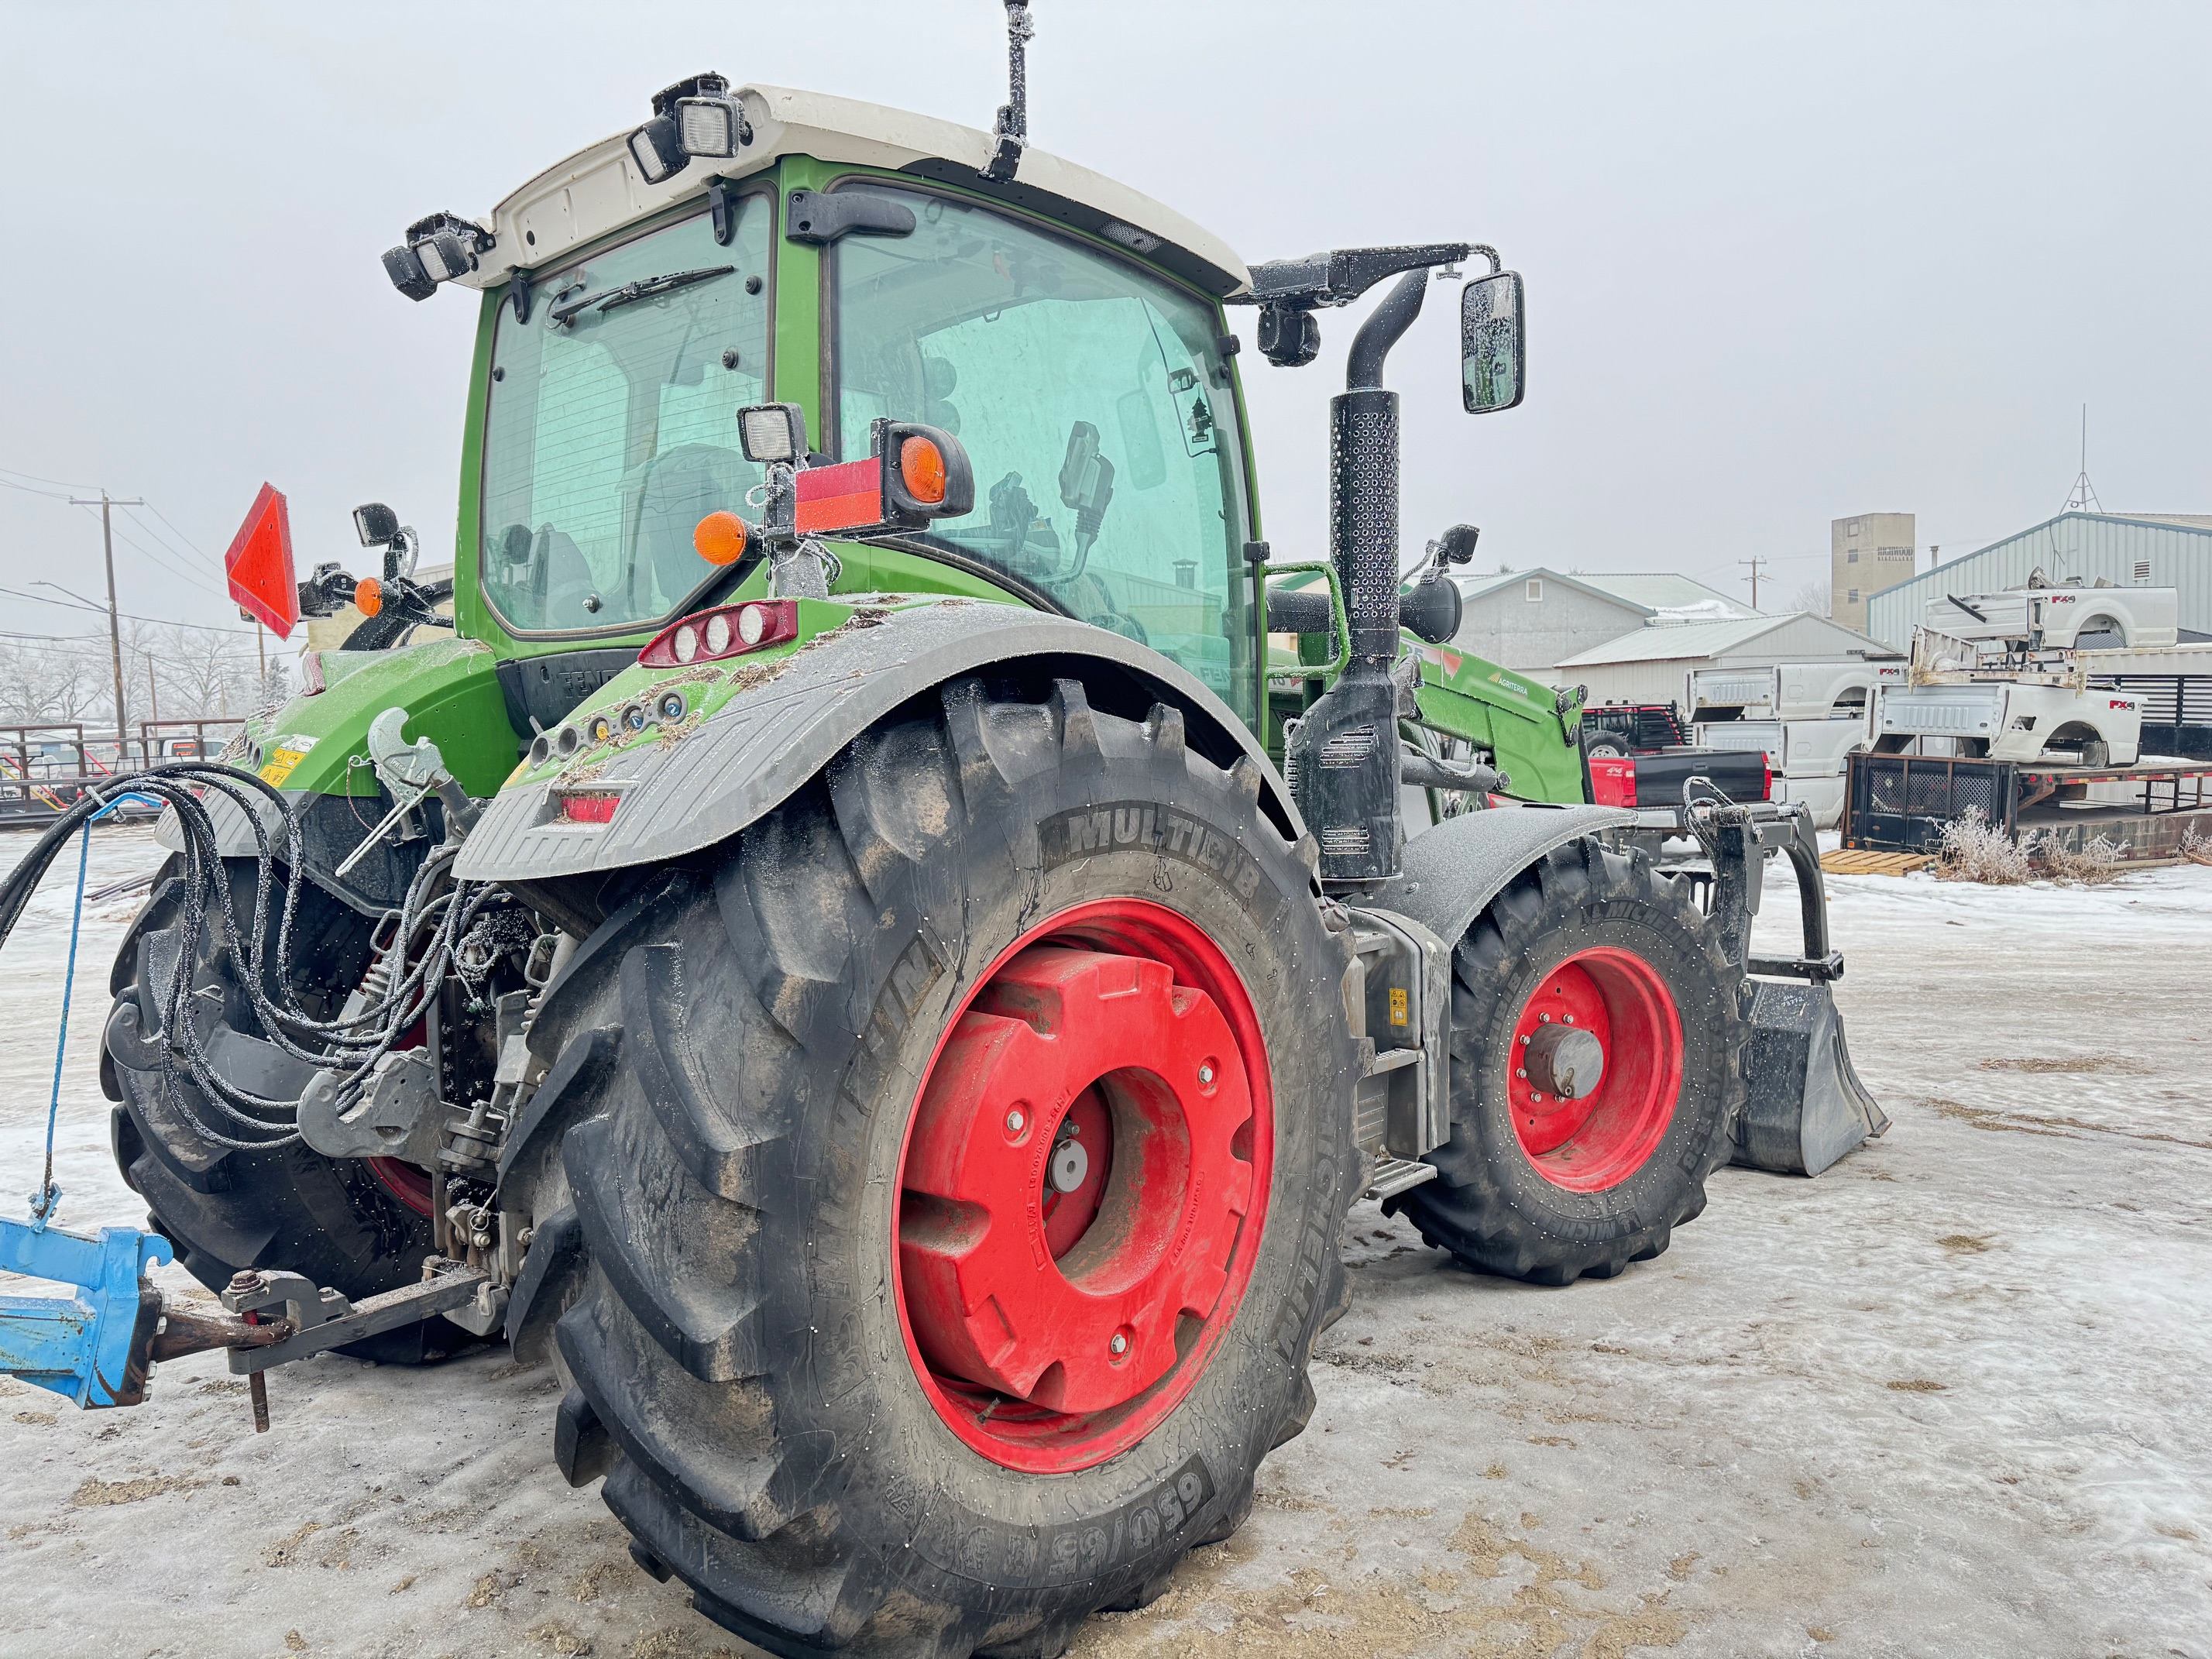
(259, 565)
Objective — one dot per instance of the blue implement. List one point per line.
(91, 1347)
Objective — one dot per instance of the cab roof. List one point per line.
(599, 189)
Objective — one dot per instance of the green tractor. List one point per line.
(882, 930)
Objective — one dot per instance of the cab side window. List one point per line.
(1095, 406)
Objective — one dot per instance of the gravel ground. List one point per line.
(1947, 1399)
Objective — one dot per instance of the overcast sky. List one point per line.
(1785, 262)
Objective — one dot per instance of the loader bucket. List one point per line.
(1805, 1106)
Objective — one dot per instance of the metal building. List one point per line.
(1653, 664)
(2125, 550)
(1527, 620)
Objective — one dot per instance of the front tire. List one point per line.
(783, 1163)
(1590, 963)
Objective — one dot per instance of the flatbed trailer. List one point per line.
(1902, 803)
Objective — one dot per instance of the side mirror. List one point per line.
(1490, 342)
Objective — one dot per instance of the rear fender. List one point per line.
(1453, 872)
(768, 725)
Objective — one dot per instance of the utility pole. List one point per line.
(114, 624)
(1754, 564)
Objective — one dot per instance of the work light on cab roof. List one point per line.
(693, 120)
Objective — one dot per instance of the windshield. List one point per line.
(1094, 403)
(611, 430)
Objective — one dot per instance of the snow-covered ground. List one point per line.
(1948, 1400)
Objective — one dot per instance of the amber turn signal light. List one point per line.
(369, 596)
(719, 537)
(921, 467)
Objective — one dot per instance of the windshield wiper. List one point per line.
(644, 288)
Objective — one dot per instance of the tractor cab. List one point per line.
(861, 263)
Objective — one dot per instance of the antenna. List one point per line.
(2082, 498)
(1013, 127)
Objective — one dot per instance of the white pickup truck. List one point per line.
(1807, 717)
(2060, 618)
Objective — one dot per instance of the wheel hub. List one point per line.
(1566, 1060)
(1026, 1275)
(1596, 1069)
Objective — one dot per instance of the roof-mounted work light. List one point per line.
(693, 120)
(437, 250)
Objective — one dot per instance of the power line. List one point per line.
(183, 546)
(187, 543)
(132, 616)
(180, 535)
(194, 577)
(51, 494)
(58, 483)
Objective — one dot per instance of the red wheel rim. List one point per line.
(410, 1185)
(1606, 1012)
(1057, 1306)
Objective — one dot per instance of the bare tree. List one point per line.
(273, 689)
(1812, 596)
(181, 672)
(42, 682)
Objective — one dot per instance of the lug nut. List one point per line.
(1206, 1074)
(1015, 1121)
(1570, 1020)
(1117, 1345)
(1521, 1070)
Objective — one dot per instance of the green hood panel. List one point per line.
(318, 744)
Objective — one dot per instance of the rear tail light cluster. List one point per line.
(728, 630)
(1613, 781)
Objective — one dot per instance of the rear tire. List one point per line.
(735, 1068)
(1524, 1190)
(333, 1219)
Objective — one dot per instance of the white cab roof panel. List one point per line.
(599, 189)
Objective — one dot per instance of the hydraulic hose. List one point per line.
(348, 1045)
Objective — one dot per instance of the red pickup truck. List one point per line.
(1636, 757)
